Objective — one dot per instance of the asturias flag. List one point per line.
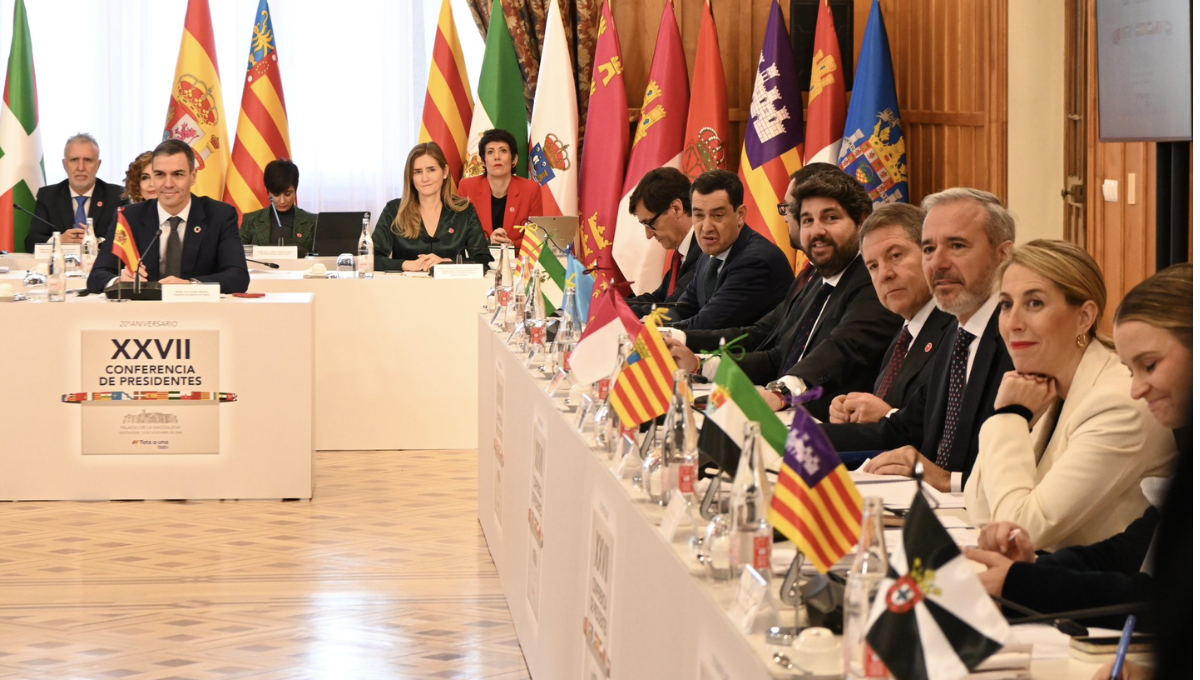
(448, 104)
(22, 172)
(774, 136)
(553, 153)
(262, 131)
(707, 130)
(873, 148)
(196, 115)
(500, 99)
(657, 142)
(826, 94)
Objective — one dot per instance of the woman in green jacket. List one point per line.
(429, 224)
(287, 224)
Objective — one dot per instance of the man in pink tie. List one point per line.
(662, 203)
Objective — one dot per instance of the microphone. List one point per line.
(137, 273)
(275, 212)
(52, 225)
(272, 265)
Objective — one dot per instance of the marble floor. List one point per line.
(384, 574)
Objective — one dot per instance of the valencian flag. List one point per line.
(707, 130)
(448, 103)
(500, 98)
(22, 172)
(816, 504)
(873, 148)
(602, 168)
(643, 390)
(262, 130)
(932, 619)
(774, 136)
(826, 94)
(611, 318)
(657, 143)
(196, 115)
(123, 245)
(553, 134)
(734, 402)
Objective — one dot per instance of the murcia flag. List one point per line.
(932, 619)
(826, 94)
(500, 98)
(553, 153)
(196, 115)
(22, 172)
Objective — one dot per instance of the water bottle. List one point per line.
(680, 444)
(35, 282)
(608, 421)
(90, 248)
(750, 542)
(56, 281)
(862, 583)
(366, 252)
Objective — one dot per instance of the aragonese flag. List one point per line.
(22, 171)
(500, 98)
(553, 153)
(448, 103)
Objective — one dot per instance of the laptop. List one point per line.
(337, 232)
(559, 229)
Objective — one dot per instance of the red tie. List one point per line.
(676, 259)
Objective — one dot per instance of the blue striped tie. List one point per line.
(80, 212)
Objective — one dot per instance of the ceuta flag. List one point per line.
(657, 142)
(21, 168)
(707, 129)
(774, 144)
(196, 115)
(602, 170)
(262, 131)
(553, 157)
(123, 245)
(448, 102)
(826, 94)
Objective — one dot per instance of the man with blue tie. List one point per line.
(68, 204)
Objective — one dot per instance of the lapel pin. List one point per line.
(99, 204)
(196, 229)
(928, 347)
(451, 230)
(298, 235)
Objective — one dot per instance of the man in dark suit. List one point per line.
(662, 202)
(833, 331)
(966, 235)
(199, 241)
(68, 204)
(891, 250)
(741, 275)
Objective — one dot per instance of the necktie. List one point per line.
(710, 277)
(172, 264)
(676, 259)
(895, 363)
(954, 397)
(807, 322)
(80, 212)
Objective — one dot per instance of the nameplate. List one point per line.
(191, 292)
(751, 593)
(42, 251)
(677, 511)
(458, 271)
(274, 253)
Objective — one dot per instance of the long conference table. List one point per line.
(595, 591)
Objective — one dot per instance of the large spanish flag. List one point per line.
(774, 144)
(21, 170)
(448, 103)
(262, 131)
(196, 115)
(826, 94)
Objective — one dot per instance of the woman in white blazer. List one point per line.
(1066, 450)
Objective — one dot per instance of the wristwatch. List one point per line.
(779, 388)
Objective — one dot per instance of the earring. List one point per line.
(1081, 340)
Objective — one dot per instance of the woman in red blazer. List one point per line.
(501, 198)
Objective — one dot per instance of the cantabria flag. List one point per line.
(553, 157)
(22, 171)
(734, 402)
(500, 98)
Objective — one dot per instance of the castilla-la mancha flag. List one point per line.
(262, 131)
(657, 142)
(602, 169)
(196, 115)
(553, 157)
(707, 133)
(826, 94)
(21, 170)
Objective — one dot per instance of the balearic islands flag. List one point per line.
(774, 136)
(196, 115)
(22, 172)
(262, 131)
(657, 142)
(826, 94)
(873, 148)
(500, 99)
(448, 103)
(553, 157)
(707, 130)
(734, 402)
(605, 144)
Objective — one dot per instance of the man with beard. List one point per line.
(833, 332)
(966, 235)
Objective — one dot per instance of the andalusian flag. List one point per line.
(774, 136)
(553, 134)
(826, 94)
(123, 245)
(196, 115)
(500, 99)
(735, 401)
(555, 281)
(262, 131)
(22, 172)
(643, 390)
(448, 103)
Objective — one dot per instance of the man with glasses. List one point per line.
(662, 202)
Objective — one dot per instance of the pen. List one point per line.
(1123, 648)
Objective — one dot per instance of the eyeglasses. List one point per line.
(782, 209)
(649, 224)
